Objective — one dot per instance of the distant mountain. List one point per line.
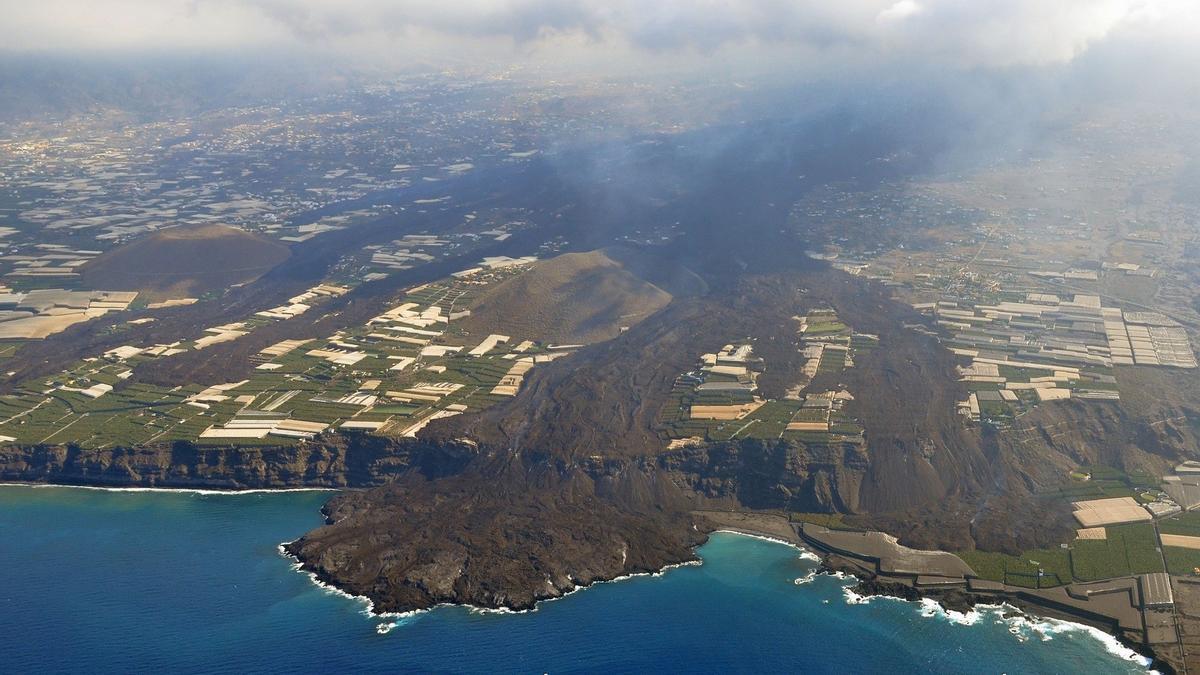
(148, 86)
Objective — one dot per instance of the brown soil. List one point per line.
(185, 262)
(570, 299)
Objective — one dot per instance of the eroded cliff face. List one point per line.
(1077, 433)
(508, 532)
(573, 483)
(332, 461)
(570, 482)
(780, 476)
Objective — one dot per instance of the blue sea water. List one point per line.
(102, 581)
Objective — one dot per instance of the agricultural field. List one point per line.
(1054, 563)
(1100, 482)
(1187, 523)
(1126, 550)
(1022, 349)
(834, 521)
(403, 369)
(719, 399)
(1182, 561)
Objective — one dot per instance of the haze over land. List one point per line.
(553, 290)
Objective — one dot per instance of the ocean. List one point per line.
(113, 581)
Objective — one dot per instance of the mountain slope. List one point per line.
(572, 298)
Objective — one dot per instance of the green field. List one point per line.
(302, 387)
(1055, 564)
(1128, 550)
(834, 521)
(1182, 561)
(1105, 482)
(1184, 523)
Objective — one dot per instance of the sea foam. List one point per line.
(179, 490)
(805, 554)
(398, 618)
(1020, 625)
(1047, 629)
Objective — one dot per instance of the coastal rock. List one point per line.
(571, 482)
(330, 461)
(889, 588)
(416, 544)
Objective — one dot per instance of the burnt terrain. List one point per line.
(571, 481)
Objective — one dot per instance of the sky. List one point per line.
(1007, 66)
(957, 34)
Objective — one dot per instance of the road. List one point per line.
(1174, 612)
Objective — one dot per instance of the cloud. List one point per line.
(899, 11)
(957, 33)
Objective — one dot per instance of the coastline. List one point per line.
(369, 604)
(183, 489)
(1012, 608)
(1015, 612)
(760, 526)
(956, 605)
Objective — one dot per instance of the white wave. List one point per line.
(808, 555)
(472, 609)
(179, 490)
(1020, 625)
(932, 608)
(854, 598)
(400, 618)
(1024, 626)
(368, 605)
(804, 553)
(807, 578)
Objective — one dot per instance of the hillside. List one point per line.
(185, 262)
(572, 298)
(574, 469)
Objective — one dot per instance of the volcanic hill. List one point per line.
(575, 298)
(185, 262)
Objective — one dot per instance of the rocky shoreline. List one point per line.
(767, 527)
(963, 602)
(331, 461)
(380, 602)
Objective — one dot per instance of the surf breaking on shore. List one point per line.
(398, 618)
(171, 490)
(1022, 626)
